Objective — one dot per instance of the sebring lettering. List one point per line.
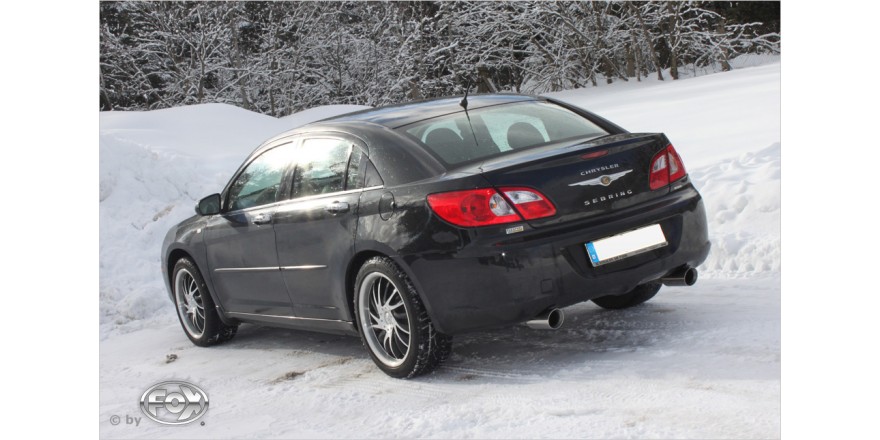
(608, 197)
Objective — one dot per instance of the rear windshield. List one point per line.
(499, 129)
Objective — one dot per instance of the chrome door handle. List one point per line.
(262, 219)
(336, 207)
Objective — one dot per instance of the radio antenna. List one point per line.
(464, 102)
(464, 105)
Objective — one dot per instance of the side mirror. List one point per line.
(209, 205)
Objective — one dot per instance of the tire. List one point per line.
(393, 323)
(632, 298)
(195, 308)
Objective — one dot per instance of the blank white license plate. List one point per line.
(624, 245)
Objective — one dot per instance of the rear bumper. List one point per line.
(503, 280)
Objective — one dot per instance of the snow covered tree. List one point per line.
(282, 57)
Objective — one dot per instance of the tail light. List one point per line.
(486, 206)
(666, 167)
(529, 203)
(676, 166)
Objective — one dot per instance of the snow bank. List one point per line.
(154, 167)
(742, 197)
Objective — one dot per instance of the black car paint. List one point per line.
(469, 279)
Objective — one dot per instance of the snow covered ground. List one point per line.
(696, 362)
(699, 362)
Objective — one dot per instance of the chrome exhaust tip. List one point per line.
(685, 276)
(549, 320)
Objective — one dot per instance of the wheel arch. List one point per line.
(175, 255)
(361, 257)
(354, 266)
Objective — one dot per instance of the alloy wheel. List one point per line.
(190, 306)
(384, 319)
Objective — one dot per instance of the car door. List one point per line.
(240, 241)
(315, 230)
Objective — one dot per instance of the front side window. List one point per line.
(260, 182)
(321, 167)
(496, 130)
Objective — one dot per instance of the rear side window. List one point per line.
(372, 179)
(321, 167)
(494, 131)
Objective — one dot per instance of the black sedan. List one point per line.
(409, 224)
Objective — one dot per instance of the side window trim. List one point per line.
(360, 167)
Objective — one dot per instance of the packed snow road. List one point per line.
(698, 362)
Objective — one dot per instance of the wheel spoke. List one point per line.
(382, 293)
(400, 327)
(402, 341)
(402, 346)
(375, 298)
(386, 342)
(388, 298)
(392, 347)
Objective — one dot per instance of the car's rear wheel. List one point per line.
(393, 323)
(632, 298)
(195, 308)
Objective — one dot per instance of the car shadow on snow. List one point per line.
(590, 342)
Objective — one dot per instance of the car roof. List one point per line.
(398, 115)
(377, 126)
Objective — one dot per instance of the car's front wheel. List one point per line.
(632, 298)
(195, 308)
(393, 323)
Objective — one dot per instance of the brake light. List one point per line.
(485, 206)
(594, 154)
(666, 167)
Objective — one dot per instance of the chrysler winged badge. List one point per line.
(602, 180)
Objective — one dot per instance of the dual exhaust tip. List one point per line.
(553, 318)
(550, 320)
(683, 276)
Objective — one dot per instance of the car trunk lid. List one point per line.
(585, 179)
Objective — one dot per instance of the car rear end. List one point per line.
(580, 213)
